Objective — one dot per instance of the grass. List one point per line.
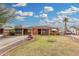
(47, 46)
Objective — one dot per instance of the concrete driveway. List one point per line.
(8, 43)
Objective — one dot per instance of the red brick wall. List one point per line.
(35, 30)
(1, 31)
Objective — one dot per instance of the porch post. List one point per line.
(22, 31)
(41, 31)
(49, 31)
(76, 31)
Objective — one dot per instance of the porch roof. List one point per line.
(38, 27)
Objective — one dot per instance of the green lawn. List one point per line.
(47, 46)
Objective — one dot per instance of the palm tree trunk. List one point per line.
(65, 29)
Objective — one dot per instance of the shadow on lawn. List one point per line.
(51, 41)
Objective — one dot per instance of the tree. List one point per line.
(65, 25)
(6, 14)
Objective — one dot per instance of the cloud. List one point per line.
(69, 11)
(70, 19)
(51, 23)
(36, 16)
(42, 16)
(24, 14)
(41, 12)
(46, 22)
(48, 9)
(61, 17)
(73, 20)
(19, 17)
(19, 5)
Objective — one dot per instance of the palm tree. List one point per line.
(65, 25)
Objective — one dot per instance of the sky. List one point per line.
(35, 14)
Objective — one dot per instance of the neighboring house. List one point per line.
(77, 31)
(7, 29)
(73, 30)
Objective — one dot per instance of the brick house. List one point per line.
(37, 30)
(1, 30)
(7, 30)
(41, 30)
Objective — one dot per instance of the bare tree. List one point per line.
(6, 14)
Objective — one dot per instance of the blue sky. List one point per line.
(37, 11)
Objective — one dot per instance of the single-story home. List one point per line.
(1, 30)
(41, 30)
(36, 30)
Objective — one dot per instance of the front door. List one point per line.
(39, 31)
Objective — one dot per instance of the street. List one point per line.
(8, 43)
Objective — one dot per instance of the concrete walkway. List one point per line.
(8, 43)
(75, 38)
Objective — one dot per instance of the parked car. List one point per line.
(29, 37)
